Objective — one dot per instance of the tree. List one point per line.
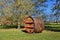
(25, 7)
(56, 9)
(6, 12)
(19, 8)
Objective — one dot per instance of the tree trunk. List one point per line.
(18, 24)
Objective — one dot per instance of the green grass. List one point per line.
(52, 27)
(17, 34)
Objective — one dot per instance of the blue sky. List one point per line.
(50, 4)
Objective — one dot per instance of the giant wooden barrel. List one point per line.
(32, 24)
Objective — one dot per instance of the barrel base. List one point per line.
(29, 30)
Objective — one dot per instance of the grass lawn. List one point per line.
(17, 34)
(52, 27)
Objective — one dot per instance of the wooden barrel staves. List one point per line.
(32, 24)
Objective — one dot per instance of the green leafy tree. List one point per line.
(25, 7)
(19, 8)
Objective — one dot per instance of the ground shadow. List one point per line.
(55, 29)
(24, 31)
(30, 33)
